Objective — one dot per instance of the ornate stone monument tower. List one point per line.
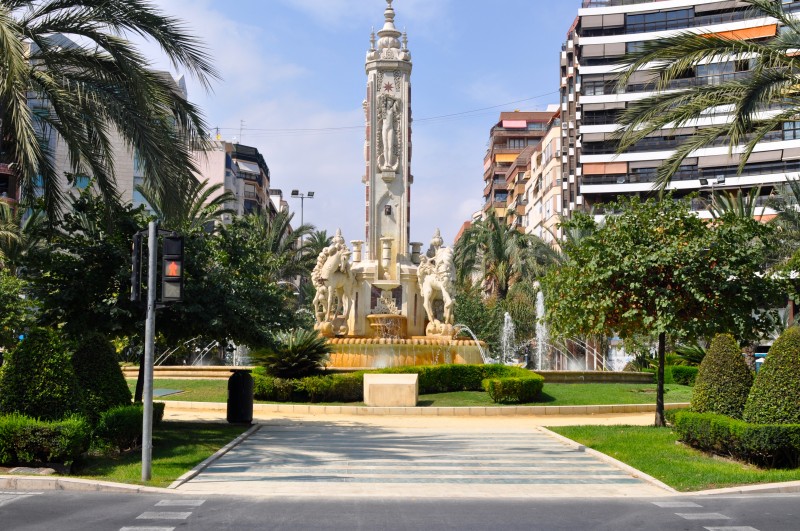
(387, 147)
(389, 293)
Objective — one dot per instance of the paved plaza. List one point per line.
(413, 458)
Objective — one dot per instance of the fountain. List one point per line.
(378, 304)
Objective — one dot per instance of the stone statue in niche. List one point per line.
(389, 126)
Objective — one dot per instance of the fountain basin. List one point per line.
(387, 325)
(378, 353)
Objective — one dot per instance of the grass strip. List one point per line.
(177, 448)
(554, 394)
(657, 452)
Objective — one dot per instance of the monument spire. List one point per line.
(388, 34)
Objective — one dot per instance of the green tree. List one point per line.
(655, 268)
(16, 309)
(500, 255)
(768, 78)
(81, 279)
(295, 354)
(91, 82)
(192, 208)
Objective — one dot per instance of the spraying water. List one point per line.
(508, 346)
(485, 357)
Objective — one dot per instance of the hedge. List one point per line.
(770, 445)
(121, 426)
(26, 441)
(514, 390)
(349, 387)
(684, 374)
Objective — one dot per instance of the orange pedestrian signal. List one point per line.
(172, 269)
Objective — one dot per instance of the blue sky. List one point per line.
(290, 65)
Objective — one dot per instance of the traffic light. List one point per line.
(136, 268)
(172, 269)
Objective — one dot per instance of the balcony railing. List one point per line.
(600, 88)
(664, 144)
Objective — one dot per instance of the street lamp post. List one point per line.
(308, 195)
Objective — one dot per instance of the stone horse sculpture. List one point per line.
(436, 277)
(334, 282)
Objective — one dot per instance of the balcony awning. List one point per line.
(515, 124)
(505, 157)
(249, 167)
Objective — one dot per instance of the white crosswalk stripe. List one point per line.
(732, 528)
(180, 503)
(147, 529)
(164, 515)
(703, 516)
(676, 504)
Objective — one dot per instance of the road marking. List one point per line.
(675, 504)
(163, 516)
(180, 503)
(733, 528)
(703, 516)
(146, 529)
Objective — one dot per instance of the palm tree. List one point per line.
(770, 83)
(500, 255)
(18, 236)
(87, 92)
(740, 204)
(192, 208)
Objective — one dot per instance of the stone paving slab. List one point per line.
(456, 459)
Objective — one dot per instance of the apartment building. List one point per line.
(544, 189)
(514, 132)
(242, 171)
(591, 102)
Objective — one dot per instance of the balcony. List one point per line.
(679, 23)
(658, 143)
(600, 88)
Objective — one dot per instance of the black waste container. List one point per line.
(240, 397)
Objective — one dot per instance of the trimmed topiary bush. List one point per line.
(100, 376)
(514, 390)
(723, 380)
(296, 354)
(121, 426)
(38, 379)
(24, 440)
(775, 396)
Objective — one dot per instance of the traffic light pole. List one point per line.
(149, 340)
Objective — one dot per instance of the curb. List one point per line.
(787, 487)
(72, 484)
(309, 409)
(610, 460)
(219, 453)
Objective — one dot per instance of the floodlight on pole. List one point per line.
(297, 195)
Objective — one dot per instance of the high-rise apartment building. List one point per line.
(591, 102)
(544, 189)
(514, 132)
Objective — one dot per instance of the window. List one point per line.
(661, 20)
(501, 196)
(517, 143)
(80, 181)
(791, 130)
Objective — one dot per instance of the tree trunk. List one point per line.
(662, 347)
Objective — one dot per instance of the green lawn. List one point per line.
(177, 448)
(655, 451)
(552, 395)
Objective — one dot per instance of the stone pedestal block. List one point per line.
(391, 390)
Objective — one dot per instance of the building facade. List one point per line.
(514, 132)
(591, 102)
(544, 189)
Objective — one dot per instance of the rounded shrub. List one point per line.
(775, 396)
(514, 390)
(100, 375)
(723, 380)
(38, 379)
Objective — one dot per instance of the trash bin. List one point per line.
(240, 397)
